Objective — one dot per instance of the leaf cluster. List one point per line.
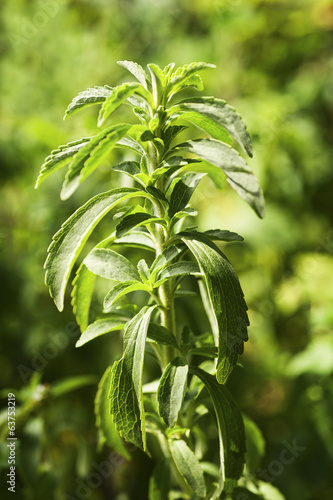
(165, 174)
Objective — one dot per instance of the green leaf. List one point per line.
(238, 173)
(160, 481)
(182, 268)
(122, 289)
(98, 328)
(164, 258)
(207, 351)
(70, 239)
(161, 335)
(138, 239)
(137, 71)
(116, 98)
(90, 157)
(226, 297)
(143, 271)
(171, 132)
(111, 265)
(223, 235)
(83, 286)
(158, 82)
(219, 112)
(231, 432)
(59, 158)
(182, 192)
(183, 76)
(215, 173)
(134, 220)
(205, 124)
(107, 429)
(269, 492)
(126, 382)
(70, 384)
(255, 445)
(188, 466)
(95, 95)
(171, 390)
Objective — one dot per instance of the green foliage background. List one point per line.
(274, 64)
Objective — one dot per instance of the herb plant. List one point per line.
(166, 417)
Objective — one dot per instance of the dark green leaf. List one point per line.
(219, 112)
(59, 158)
(231, 432)
(107, 429)
(126, 382)
(182, 192)
(70, 239)
(131, 168)
(238, 173)
(171, 390)
(161, 335)
(110, 264)
(162, 259)
(226, 297)
(90, 157)
(122, 289)
(223, 235)
(160, 482)
(98, 328)
(96, 95)
(188, 466)
(182, 268)
(134, 220)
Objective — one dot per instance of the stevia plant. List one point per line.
(153, 215)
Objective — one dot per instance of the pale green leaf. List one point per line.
(98, 328)
(143, 271)
(137, 239)
(107, 429)
(231, 432)
(182, 268)
(171, 390)
(136, 71)
(226, 297)
(207, 125)
(183, 76)
(219, 112)
(215, 173)
(59, 158)
(90, 157)
(126, 382)
(160, 481)
(70, 239)
(122, 289)
(111, 265)
(116, 98)
(238, 173)
(95, 95)
(188, 466)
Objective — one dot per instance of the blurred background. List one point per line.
(275, 66)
